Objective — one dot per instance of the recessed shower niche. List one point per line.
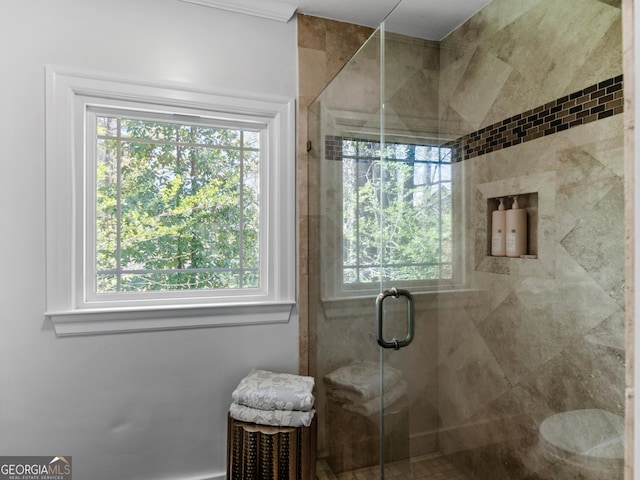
(536, 196)
(512, 226)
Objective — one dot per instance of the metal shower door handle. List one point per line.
(394, 343)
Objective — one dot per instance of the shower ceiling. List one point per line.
(429, 19)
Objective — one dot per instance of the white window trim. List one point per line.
(67, 91)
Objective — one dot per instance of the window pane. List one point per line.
(107, 126)
(251, 211)
(147, 130)
(403, 205)
(252, 140)
(106, 283)
(211, 136)
(179, 281)
(350, 216)
(176, 205)
(251, 279)
(107, 205)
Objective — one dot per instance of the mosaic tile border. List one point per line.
(333, 147)
(595, 102)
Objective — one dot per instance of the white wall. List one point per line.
(135, 406)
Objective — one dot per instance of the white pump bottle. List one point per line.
(516, 227)
(498, 225)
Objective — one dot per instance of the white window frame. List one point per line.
(74, 310)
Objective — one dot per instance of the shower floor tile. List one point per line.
(432, 466)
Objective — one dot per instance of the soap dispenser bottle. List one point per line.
(516, 227)
(498, 224)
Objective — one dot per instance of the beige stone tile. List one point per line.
(560, 38)
(469, 380)
(481, 84)
(475, 31)
(573, 297)
(413, 106)
(312, 64)
(508, 12)
(582, 183)
(516, 338)
(590, 243)
(598, 363)
(454, 327)
(343, 41)
(605, 61)
(609, 152)
(355, 91)
(451, 74)
(521, 87)
(312, 32)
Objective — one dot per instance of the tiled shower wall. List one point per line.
(547, 335)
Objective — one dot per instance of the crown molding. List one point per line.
(269, 9)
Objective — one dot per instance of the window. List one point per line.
(166, 207)
(177, 205)
(397, 215)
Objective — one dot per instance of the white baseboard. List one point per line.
(212, 476)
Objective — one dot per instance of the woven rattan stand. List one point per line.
(259, 452)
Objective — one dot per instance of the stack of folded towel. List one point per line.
(357, 387)
(276, 399)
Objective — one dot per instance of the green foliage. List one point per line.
(177, 207)
(396, 213)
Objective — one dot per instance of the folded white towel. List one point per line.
(274, 418)
(359, 381)
(372, 406)
(266, 390)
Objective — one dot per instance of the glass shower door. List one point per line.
(416, 255)
(380, 224)
(344, 278)
(394, 418)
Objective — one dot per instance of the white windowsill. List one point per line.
(121, 320)
(346, 308)
(419, 290)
